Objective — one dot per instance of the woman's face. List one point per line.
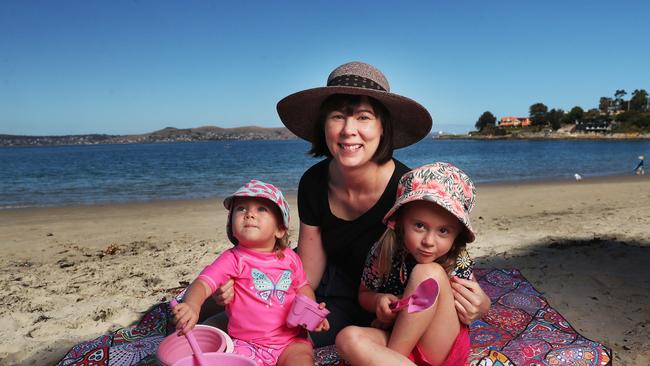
(352, 139)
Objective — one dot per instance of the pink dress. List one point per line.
(264, 287)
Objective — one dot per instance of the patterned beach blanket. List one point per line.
(521, 328)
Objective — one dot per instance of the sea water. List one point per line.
(68, 175)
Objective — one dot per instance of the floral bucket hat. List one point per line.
(256, 188)
(440, 183)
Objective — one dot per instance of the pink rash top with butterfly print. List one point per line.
(265, 287)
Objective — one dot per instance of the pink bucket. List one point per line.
(306, 312)
(220, 359)
(174, 348)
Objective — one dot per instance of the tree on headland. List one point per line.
(555, 117)
(639, 100)
(618, 98)
(604, 104)
(537, 113)
(487, 119)
(575, 114)
(620, 93)
(592, 114)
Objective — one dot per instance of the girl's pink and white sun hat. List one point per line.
(440, 183)
(256, 188)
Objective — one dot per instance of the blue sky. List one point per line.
(122, 67)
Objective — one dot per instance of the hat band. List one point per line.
(355, 81)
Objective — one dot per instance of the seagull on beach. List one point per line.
(578, 177)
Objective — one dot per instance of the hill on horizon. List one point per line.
(167, 134)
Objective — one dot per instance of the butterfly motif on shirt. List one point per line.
(266, 289)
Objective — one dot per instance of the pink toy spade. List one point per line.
(424, 297)
(200, 359)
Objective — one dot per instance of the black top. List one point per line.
(346, 243)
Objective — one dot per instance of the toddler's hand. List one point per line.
(225, 293)
(185, 317)
(385, 314)
(324, 326)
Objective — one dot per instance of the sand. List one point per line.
(70, 274)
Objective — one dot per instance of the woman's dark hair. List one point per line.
(346, 103)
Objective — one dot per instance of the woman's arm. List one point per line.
(471, 302)
(311, 252)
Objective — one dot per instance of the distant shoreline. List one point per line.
(166, 135)
(248, 133)
(552, 136)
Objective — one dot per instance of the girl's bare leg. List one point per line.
(367, 346)
(298, 354)
(434, 329)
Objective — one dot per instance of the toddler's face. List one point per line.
(255, 224)
(429, 230)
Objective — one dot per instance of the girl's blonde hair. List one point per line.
(390, 242)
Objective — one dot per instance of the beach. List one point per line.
(70, 274)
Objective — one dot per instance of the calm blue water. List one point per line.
(52, 176)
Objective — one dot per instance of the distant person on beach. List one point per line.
(267, 276)
(428, 230)
(639, 170)
(355, 122)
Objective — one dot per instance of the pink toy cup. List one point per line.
(305, 311)
(174, 348)
(222, 359)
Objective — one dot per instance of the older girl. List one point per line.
(428, 228)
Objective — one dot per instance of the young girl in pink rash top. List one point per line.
(267, 276)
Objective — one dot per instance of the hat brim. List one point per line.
(411, 122)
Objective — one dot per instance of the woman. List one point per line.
(356, 123)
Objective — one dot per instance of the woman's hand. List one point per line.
(385, 315)
(225, 293)
(470, 300)
(185, 317)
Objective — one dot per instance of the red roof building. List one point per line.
(515, 122)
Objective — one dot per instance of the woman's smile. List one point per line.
(350, 147)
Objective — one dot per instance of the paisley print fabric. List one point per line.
(522, 329)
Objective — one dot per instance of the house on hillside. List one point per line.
(599, 125)
(514, 122)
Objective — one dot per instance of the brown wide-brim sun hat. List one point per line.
(410, 121)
